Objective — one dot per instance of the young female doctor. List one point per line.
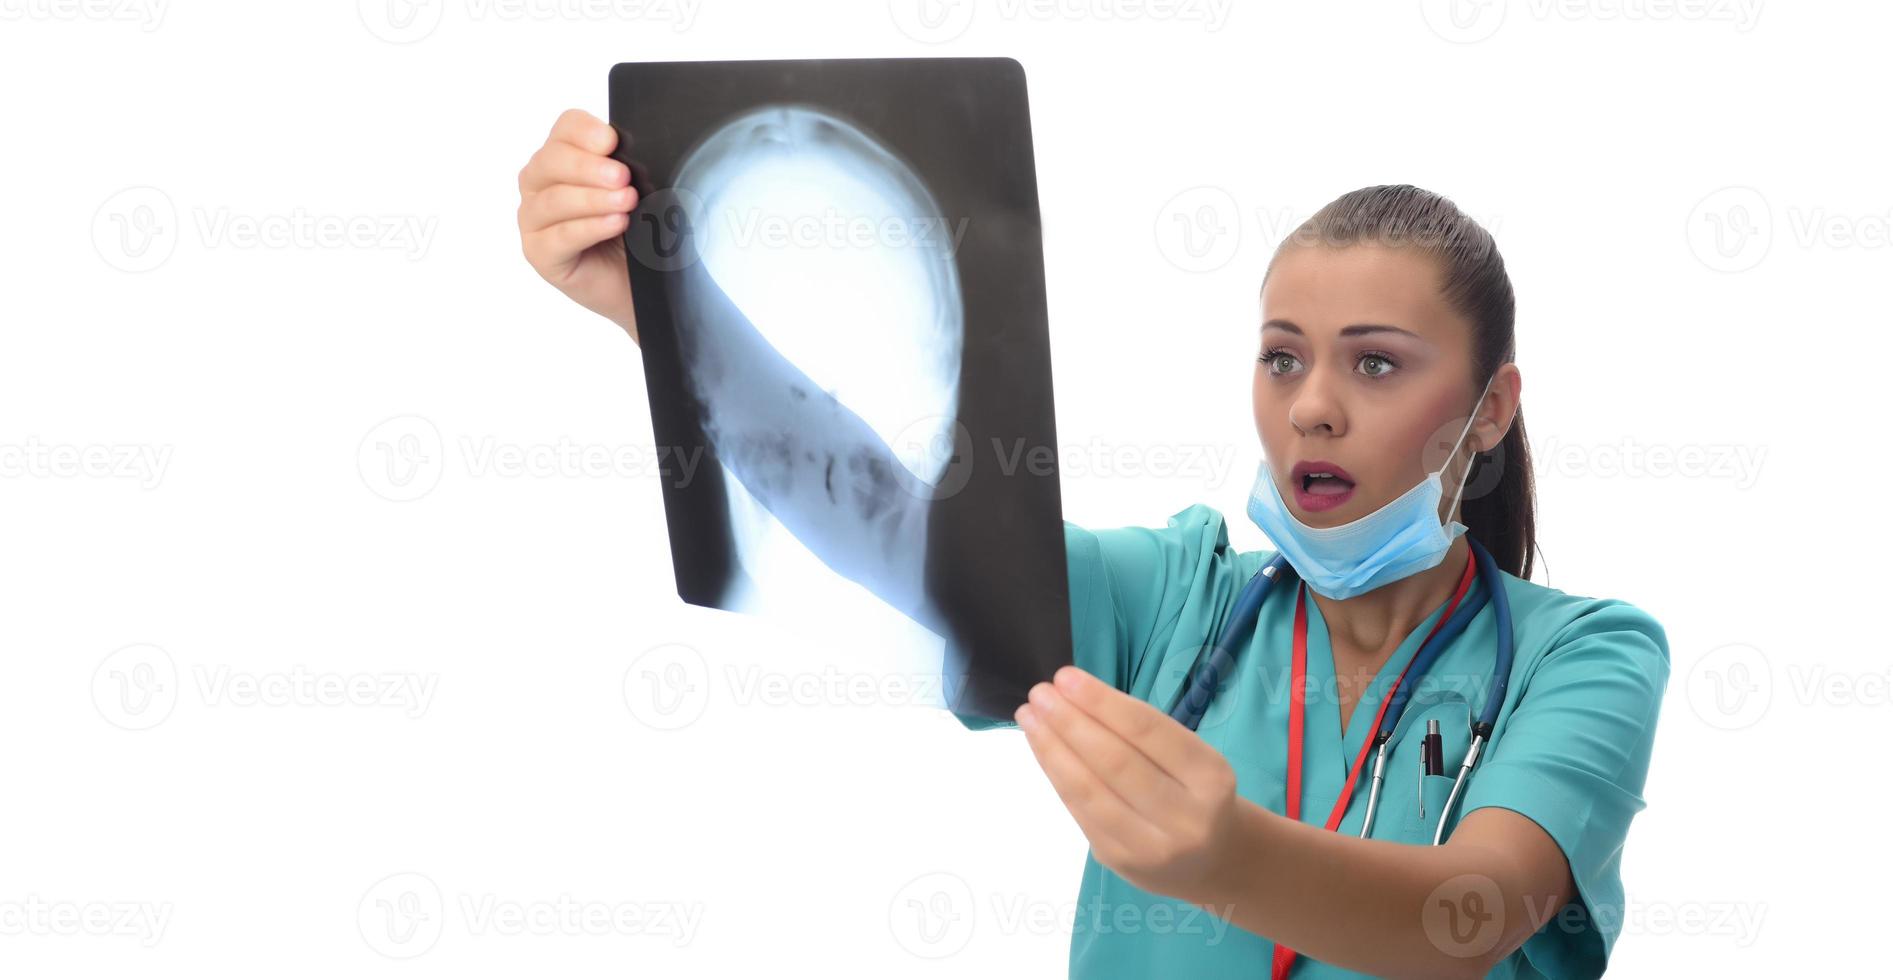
(1377, 750)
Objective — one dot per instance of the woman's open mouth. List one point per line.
(1321, 485)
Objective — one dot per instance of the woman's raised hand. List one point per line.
(574, 204)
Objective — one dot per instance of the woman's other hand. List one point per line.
(1158, 803)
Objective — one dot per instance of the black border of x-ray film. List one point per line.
(996, 555)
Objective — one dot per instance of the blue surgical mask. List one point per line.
(1402, 538)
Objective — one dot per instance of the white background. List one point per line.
(195, 497)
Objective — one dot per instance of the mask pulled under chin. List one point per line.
(1403, 537)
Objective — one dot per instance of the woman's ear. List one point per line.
(1499, 408)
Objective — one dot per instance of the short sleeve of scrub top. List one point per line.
(1570, 750)
(1572, 756)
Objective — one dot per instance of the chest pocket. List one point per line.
(1410, 803)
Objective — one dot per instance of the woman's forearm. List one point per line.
(1376, 906)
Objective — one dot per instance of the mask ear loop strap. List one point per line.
(1463, 477)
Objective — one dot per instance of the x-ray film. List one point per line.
(839, 286)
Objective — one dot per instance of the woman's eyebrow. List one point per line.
(1352, 330)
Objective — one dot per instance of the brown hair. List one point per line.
(1498, 505)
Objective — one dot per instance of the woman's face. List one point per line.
(1365, 372)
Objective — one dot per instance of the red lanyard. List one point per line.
(1297, 686)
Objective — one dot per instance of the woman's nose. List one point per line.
(1315, 408)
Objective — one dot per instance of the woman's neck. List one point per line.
(1373, 624)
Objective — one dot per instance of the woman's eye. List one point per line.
(1279, 361)
(1381, 365)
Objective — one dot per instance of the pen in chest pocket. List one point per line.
(1432, 760)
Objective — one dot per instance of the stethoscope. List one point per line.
(1206, 675)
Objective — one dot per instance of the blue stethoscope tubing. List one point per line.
(1220, 661)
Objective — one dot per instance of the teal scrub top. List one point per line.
(1570, 748)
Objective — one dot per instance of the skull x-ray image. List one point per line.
(839, 287)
